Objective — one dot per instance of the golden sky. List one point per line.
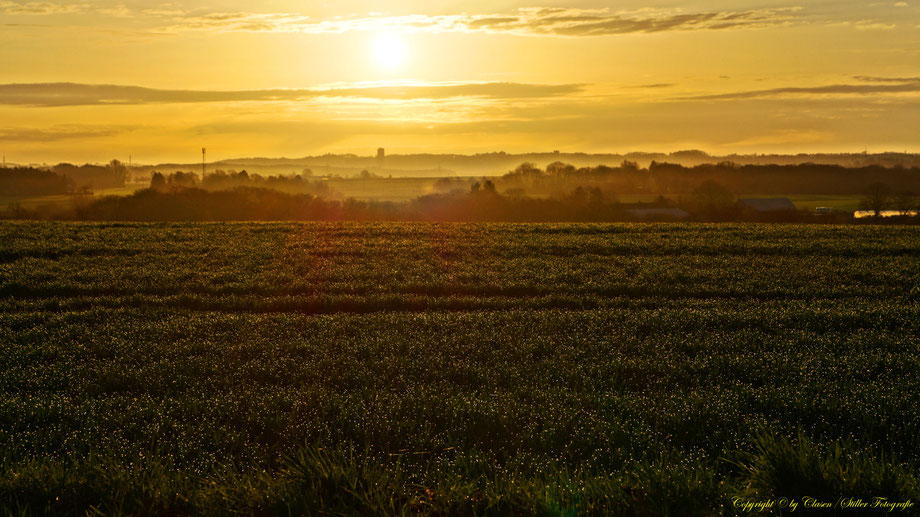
(96, 80)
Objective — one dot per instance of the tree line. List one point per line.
(560, 192)
(675, 179)
(63, 178)
(224, 180)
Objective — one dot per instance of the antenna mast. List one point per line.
(204, 154)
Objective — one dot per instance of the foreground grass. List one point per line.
(455, 369)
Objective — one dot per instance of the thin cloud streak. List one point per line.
(876, 85)
(874, 79)
(59, 133)
(73, 94)
(651, 86)
(40, 8)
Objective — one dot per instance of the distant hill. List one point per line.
(498, 163)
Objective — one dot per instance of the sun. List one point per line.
(389, 51)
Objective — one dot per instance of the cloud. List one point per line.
(525, 21)
(530, 21)
(58, 133)
(73, 94)
(875, 79)
(872, 25)
(40, 8)
(652, 86)
(876, 85)
(239, 22)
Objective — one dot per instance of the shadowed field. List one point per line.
(455, 368)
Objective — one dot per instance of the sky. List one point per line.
(89, 81)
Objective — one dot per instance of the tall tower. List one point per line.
(204, 155)
(381, 154)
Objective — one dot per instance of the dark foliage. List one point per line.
(294, 184)
(669, 178)
(112, 175)
(28, 181)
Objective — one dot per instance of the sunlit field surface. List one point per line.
(458, 369)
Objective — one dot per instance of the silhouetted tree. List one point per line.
(713, 194)
(119, 171)
(630, 166)
(714, 201)
(527, 169)
(560, 169)
(905, 203)
(183, 179)
(877, 197)
(158, 182)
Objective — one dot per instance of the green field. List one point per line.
(455, 369)
(62, 202)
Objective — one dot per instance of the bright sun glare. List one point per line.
(389, 51)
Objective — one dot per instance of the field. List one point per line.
(63, 202)
(387, 369)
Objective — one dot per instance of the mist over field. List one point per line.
(708, 191)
